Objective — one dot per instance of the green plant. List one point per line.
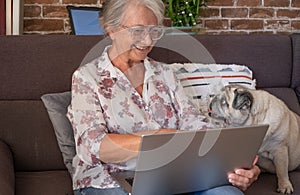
(184, 12)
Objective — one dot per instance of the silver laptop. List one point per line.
(190, 161)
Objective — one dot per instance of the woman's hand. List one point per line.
(242, 178)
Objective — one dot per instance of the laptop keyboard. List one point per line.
(129, 180)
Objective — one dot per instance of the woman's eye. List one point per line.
(138, 31)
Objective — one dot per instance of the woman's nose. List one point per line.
(147, 39)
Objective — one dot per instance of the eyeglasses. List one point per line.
(139, 33)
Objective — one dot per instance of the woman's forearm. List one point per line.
(116, 148)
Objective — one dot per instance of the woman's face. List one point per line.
(125, 44)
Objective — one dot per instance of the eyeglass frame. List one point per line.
(149, 28)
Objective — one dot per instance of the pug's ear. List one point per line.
(243, 100)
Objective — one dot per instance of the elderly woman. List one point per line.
(123, 94)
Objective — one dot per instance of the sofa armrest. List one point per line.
(7, 175)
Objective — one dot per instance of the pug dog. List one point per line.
(280, 150)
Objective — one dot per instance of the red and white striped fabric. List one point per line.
(203, 81)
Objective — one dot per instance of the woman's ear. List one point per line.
(108, 31)
(114, 33)
(110, 34)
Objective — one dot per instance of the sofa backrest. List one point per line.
(296, 64)
(36, 64)
(33, 65)
(274, 59)
(268, 56)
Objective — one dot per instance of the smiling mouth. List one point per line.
(141, 48)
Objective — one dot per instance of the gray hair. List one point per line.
(114, 10)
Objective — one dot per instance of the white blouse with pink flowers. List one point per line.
(104, 101)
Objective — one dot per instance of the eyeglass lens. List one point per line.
(139, 33)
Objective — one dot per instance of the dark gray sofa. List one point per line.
(32, 65)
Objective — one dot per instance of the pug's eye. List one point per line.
(224, 102)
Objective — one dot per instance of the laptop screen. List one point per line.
(85, 20)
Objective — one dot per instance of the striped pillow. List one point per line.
(203, 81)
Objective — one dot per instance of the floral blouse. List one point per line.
(104, 101)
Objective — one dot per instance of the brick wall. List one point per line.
(51, 16)
(221, 16)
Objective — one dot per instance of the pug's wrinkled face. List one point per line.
(232, 106)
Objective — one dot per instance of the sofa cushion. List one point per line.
(26, 128)
(268, 56)
(298, 93)
(202, 81)
(7, 183)
(56, 104)
(288, 96)
(296, 62)
(267, 184)
(50, 71)
(44, 182)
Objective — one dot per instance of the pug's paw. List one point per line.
(285, 187)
